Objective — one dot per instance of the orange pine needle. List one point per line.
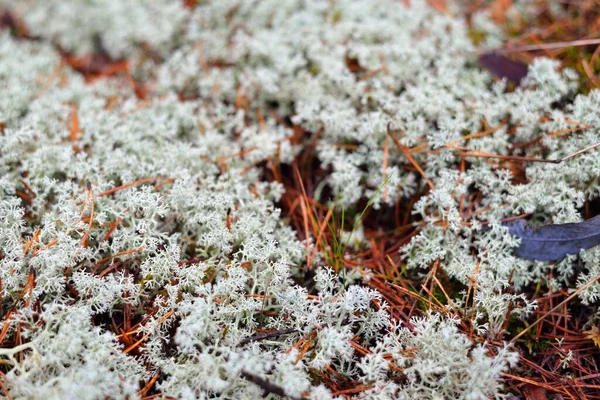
(136, 344)
(320, 234)
(478, 134)
(49, 244)
(407, 154)
(31, 241)
(84, 239)
(567, 131)
(448, 299)
(300, 341)
(565, 301)
(109, 269)
(119, 254)
(261, 120)
(74, 130)
(259, 296)
(6, 326)
(354, 390)
(135, 183)
(159, 321)
(304, 350)
(4, 389)
(307, 241)
(148, 385)
(112, 228)
(535, 383)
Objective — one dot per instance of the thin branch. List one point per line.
(268, 386)
(263, 336)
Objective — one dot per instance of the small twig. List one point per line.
(579, 152)
(263, 336)
(268, 386)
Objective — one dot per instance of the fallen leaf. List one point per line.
(553, 242)
(503, 67)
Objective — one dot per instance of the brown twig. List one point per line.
(267, 386)
(263, 336)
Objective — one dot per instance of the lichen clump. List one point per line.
(141, 247)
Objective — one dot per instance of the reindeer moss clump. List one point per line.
(176, 176)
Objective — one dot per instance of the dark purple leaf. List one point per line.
(553, 242)
(503, 67)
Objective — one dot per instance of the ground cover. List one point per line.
(238, 199)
